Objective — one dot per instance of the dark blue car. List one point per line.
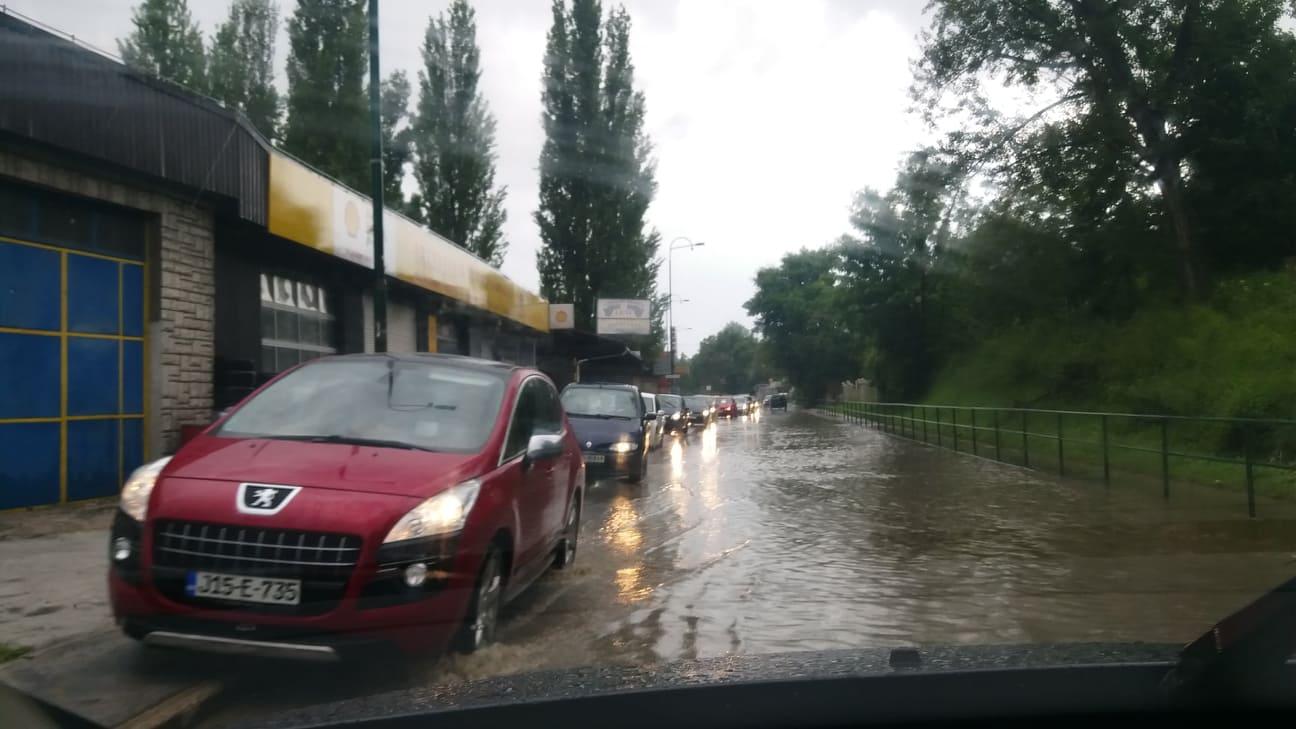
(609, 424)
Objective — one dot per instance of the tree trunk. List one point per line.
(1113, 77)
(1171, 185)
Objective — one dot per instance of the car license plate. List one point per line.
(243, 588)
(593, 457)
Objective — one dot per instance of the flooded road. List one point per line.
(794, 532)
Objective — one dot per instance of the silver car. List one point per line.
(655, 428)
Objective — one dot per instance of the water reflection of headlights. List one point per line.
(674, 416)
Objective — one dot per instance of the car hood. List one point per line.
(600, 432)
(322, 465)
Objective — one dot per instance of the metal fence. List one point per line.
(1245, 452)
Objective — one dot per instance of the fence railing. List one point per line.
(1254, 454)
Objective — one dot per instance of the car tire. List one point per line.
(641, 468)
(483, 612)
(566, 553)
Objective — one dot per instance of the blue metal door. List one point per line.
(72, 365)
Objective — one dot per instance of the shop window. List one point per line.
(297, 323)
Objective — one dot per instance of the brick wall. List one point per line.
(181, 344)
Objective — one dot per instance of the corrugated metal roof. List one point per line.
(56, 92)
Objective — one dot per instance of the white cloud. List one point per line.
(766, 115)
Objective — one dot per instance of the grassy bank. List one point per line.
(1232, 357)
(9, 652)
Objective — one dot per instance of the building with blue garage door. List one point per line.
(71, 346)
(160, 259)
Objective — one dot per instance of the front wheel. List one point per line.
(483, 614)
(571, 532)
(640, 469)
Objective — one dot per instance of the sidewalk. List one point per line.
(54, 602)
(55, 562)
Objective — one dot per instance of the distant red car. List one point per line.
(352, 500)
(726, 408)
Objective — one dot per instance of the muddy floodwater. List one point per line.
(795, 532)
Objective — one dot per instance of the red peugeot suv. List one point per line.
(352, 500)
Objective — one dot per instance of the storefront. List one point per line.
(159, 260)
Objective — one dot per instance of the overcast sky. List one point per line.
(767, 116)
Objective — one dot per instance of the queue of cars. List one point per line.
(375, 499)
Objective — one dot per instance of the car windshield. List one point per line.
(599, 402)
(338, 323)
(427, 406)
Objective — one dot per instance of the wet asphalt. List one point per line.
(790, 534)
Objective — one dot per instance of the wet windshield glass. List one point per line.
(590, 401)
(972, 322)
(427, 406)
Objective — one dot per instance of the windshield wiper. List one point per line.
(351, 440)
(601, 416)
(1244, 655)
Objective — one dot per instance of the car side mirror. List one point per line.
(541, 447)
(650, 416)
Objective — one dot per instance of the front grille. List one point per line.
(322, 561)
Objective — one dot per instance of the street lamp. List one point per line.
(670, 290)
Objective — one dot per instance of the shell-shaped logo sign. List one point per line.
(352, 216)
(560, 316)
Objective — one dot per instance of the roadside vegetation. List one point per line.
(1121, 241)
(9, 652)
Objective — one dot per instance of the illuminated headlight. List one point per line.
(136, 490)
(442, 514)
(416, 574)
(622, 447)
(121, 549)
(674, 416)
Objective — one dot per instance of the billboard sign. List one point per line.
(624, 316)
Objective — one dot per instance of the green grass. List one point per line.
(1233, 357)
(9, 652)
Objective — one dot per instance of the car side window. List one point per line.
(549, 418)
(524, 416)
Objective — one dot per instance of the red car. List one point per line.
(352, 500)
(726, 408)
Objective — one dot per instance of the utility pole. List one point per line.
(376, 184)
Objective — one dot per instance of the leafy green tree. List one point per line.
(454, 139)
(398, 139)
(597, 174)
(241, 63)
(167, 43)
(729, 361)
(801, 312)
(327, 124)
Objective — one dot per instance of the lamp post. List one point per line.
(670, 290)
(376, 184)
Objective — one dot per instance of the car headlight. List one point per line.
(674, 416)
(135, 492)
(442, 514)
(624, 446)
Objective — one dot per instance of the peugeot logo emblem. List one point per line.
(264, 499)
(589, 444)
